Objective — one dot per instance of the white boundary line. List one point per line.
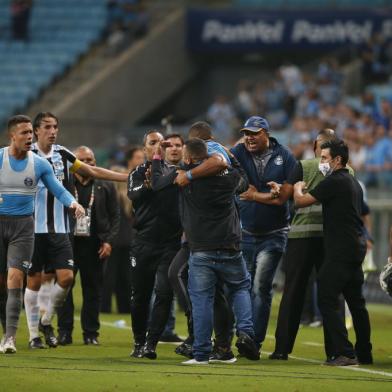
(309, 360)
(353, 368)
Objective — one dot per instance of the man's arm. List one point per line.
(98, 172)
(301, 199)
(158, 179)
(138, 185)
(91, 171)
(56, 188)
(210, 167)
(277, 197)
(244, 180)
(113, 214)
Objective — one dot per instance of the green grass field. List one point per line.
(109, 367)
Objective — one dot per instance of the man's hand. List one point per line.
(275, 188)
(249, 194)
(147, 181)
(300, 186)
(104, 250)
(181, 179)
(78, 209)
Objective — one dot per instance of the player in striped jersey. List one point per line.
(53, 251)
(20, 171)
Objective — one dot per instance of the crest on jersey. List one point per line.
(278, 160)
(28, 181)
(133, 261)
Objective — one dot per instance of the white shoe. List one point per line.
(2, 341)
(195, 362)
(9, 345)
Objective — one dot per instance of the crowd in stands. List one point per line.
(127, 20)
(302, 103)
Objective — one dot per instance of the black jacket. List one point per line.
(105, 219)
(157, 218)
(208, 212)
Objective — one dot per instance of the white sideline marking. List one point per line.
(355, 369)
(314, 344)
(309, 360)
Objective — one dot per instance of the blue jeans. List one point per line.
(262, 255)
(205, 270)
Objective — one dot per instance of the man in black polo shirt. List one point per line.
(341, 197)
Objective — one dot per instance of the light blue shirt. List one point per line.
(216, 148)
(24, 204)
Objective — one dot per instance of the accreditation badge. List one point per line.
(83, 226)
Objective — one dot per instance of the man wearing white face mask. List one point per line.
(341, 197)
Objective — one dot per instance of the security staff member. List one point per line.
(345, 246)
(92, 245)
(157, 241)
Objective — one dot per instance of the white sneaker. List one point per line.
(9, 345)
(2, 341)
(195, 362)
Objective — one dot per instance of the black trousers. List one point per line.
(117, 280)
(149, 267)
(336, 278)
(303, 254)
(223, 313)
(91, 277)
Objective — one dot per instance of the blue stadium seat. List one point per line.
(60, 32)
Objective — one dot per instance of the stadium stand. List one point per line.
(60, 32)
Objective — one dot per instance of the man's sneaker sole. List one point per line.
(195, 362)
(231, 360)
(9, 350)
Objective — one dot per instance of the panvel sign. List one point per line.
(246, 30)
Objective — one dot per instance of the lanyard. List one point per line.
(90, 203)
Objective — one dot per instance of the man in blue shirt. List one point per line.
(264, 227)
(20, 171)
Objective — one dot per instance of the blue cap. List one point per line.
(254, 124)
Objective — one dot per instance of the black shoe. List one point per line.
(36, 343)
(222, 354)
(50, 338)
(149, 351)
(278, 356)
(172, 338)
(64, 339)
(184, 349)
(93, 341)
(247, 347)
(341, 360)
(138, 350)
(365, 359)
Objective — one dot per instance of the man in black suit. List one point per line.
(92, 245)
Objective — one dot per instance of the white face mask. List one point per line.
(325, 168)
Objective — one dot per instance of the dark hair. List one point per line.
(175, 135)
(40, 116)
(149, 133)
(337, 148)
(131, 152)
(18, 119)
(201, 130)
(196, 148)
(325, 135)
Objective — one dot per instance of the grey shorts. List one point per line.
(16, 242)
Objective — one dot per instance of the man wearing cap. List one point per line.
(264, 227)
